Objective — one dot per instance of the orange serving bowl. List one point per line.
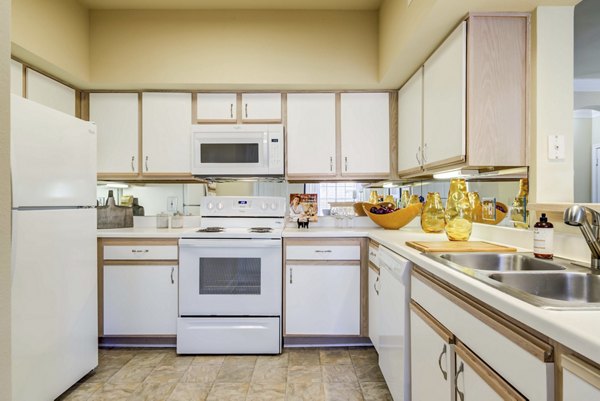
(394, 220)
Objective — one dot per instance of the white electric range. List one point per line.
(230, 278)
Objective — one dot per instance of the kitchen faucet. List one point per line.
(576, 216)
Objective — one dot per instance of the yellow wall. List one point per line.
(5, 202)
(53, 36)
(230, 49)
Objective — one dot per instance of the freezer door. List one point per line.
(54, 301)
(53, 157)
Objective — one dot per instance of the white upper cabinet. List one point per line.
(261, 107)
(16, 77)
(116, 116)
(50, 93)
(410, 124)
(311, 134)
(444, 101)
(365, 129)
(216, 107)
(166, 127)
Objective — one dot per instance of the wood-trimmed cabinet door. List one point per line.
(410, 125)
(51, 93)
(444, 101)
(166, 119)
(374, 308)
(216, 107)
(432, 357)
(580, 380)
(322, 299)
(261, 107)
(117, 119)
(365, 134)
(311, 142)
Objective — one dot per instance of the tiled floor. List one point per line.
(314, 374)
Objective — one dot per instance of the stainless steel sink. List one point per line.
(500, 261)
(564, 286)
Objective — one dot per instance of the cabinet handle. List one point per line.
(146, 163)
(346, 163)
(139, 251)
(445, 374)
(323, 251)
(460, 370)
(330, 163)
(291, 275)
(424, 153)
(172, 272)
(417, 155)
(246, 109)
(231, 110)
(375, 286)
(132, 163)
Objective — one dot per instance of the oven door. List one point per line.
(230, 153)
(230, 277)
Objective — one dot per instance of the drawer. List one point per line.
(323, 252)
(516, 357)
(373, 252)
(140, 252)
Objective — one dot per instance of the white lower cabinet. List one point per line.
(580, 380)
(322, 299)
(140, 299)
(374, 307)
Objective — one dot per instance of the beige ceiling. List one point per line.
(232, 4)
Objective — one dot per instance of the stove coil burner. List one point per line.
(211, 230)
(260, 229)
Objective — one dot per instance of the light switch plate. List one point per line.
(556, 147)
(172, 202)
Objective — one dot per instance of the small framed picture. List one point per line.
(304, 207)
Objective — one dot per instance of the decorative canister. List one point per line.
(459, 215)
(475, 202)
(432, 218)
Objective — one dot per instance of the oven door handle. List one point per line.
(185, 243)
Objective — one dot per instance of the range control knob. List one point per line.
(220, 206)
(264, 206)
(274, 206)
(210, 206)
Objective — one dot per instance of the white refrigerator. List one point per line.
(54, 271)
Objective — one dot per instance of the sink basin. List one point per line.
(562, 286)
(500, 261)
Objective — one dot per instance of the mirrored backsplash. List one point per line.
(185, 198)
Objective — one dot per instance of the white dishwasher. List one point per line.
(394, 335)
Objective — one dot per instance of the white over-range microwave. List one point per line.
(222, 150)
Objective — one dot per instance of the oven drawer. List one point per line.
(140, 252)
(228, 335)
(323, 252)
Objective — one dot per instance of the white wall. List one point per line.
(582, 165)
(5, 203)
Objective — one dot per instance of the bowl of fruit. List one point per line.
(392, 218)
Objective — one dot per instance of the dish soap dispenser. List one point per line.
(543, 238)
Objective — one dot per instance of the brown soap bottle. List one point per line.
(543, 238)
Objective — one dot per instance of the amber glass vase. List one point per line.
(475, 202)
(459, 214)
(518, 212)
(432, 218)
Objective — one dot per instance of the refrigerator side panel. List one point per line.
(54, 301)
(53, 157)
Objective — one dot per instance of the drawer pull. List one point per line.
(139, 251)
(323, 251)
(445, 374)
(460, 370)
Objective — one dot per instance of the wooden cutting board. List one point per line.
(458, 246)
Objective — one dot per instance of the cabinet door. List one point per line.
(311, 134)
(49, 92)
(140, 299)
(116, 118)
(444, 101)
(374, 307)
(16, 77)
(475, 381)
(216, 107)
(431, 358)
(166, 124)
(410, 124)
(580, 381)
(322, 299)
(263, 107)
(365, 127)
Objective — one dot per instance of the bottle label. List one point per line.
(543, 240)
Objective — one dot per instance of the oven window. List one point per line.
(230, 276)
(229, 153)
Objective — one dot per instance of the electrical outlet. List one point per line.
(172, 202)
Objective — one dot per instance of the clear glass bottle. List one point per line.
(432, 218)
(475, 202)
(459, 214)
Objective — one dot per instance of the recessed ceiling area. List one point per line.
(232, 4)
